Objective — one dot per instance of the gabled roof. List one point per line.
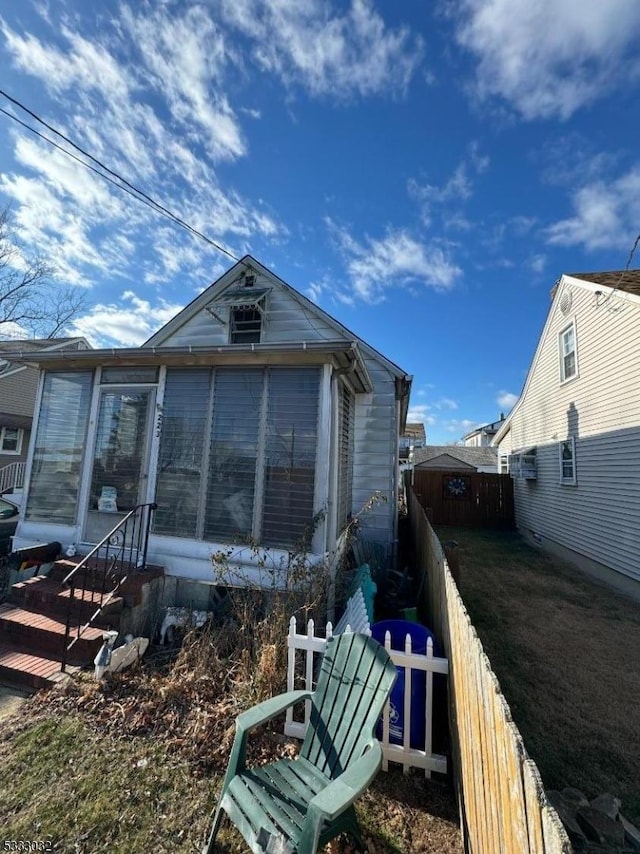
(607, 282)
(622, 280)
(484, 428)
(11, 346)
(484, 456)
(230, 278)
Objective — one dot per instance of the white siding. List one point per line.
(375, 454)
(286, 321)
(600, 409)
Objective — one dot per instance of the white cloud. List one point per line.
(396, 260)
(606, 215)
(125, 324)
(419, 414)
(186, 58)
(548, 58)
(446, 403)
(460, 426)
(339, 55)
(506, 399)
(453, 193)
(145, 95)
(537, 263)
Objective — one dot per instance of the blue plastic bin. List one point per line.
(399, 629)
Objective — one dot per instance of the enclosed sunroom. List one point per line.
(253, 420)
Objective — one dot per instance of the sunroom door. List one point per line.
(120, 465)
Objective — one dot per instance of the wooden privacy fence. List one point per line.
(304, 651)
(469, 499)
(502, 801)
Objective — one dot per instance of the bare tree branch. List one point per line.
(29, 295)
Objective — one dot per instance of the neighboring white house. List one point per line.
(456, 458)
(573, 437)
(250, 416)
(482, 436)
(413, 437)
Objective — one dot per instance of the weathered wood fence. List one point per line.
(470, 499)
(304, 652)
(503, 806)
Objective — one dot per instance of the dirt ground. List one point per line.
(566, 650)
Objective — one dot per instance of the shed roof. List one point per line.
(484, 456)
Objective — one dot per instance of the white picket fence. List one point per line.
(304, 651)
(355, 616)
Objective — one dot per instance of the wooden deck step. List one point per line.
(32, 671)
(43, 635)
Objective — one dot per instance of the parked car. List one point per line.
(9, 513)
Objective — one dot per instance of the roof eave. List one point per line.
(340, 353)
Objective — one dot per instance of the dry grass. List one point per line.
(567, 653)
(135, 762)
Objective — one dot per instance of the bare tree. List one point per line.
(29, 295)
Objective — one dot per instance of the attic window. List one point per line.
(246, 325)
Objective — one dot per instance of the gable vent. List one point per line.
(566, 302)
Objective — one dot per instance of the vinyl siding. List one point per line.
(375, 439)
(18, 392)
(600, 409)
(375, 454)
(286, 321)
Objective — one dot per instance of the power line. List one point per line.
(126, 186)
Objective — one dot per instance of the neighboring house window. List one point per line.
(246, 325)
(568, 462)
(238, 454)
(11, 440)
(568, 356)
(523, 464)
(503, 464)
(59, 447)
(346, 429)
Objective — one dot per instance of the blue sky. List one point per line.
(424, 171)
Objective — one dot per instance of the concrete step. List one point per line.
(43, 636)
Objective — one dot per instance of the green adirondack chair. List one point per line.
(297, 805)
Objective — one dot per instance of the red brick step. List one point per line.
(45, 595)
(32, 671)
(44, 636)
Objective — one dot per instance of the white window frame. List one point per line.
(3, 435)
(572, 480)
(523, 464)
(503, 463)
(561, 351)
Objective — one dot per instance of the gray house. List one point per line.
(251, 416)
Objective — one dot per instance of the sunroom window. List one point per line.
(59, 447)
(346, 423)
(238, 454)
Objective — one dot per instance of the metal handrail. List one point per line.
(121, 551)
